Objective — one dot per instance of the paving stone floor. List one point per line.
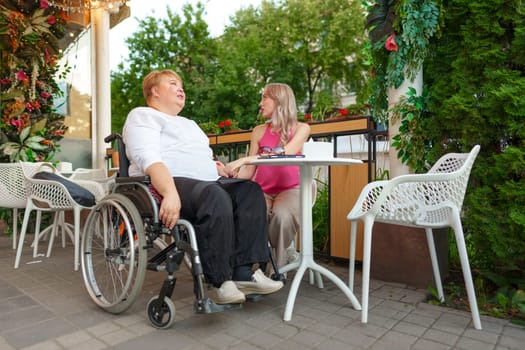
(44, 306)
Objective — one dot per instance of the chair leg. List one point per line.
(76, 214)
(54, 232)
(367, 249)
(435, 264)
(23, 231)
(467, 276)
(351, 269)
(15, 226)
(38, 234)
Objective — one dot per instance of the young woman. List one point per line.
(280, 134)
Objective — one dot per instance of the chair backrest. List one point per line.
(46, 194)
(427, 199)
(12, 186)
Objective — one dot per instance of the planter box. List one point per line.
(400, 254)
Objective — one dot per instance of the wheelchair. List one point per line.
(119, 232)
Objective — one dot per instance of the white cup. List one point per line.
(318, 150)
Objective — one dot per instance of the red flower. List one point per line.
(45, 94)
(390, 43)
(36, 104)
(17, 123)
(227, 123)
(343, 112)
(5, 81)
(21, 75)
(29, 107)
(221, 124)
(51, 20)
(307, 116)
(44, 4)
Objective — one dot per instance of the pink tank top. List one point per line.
(275, 179)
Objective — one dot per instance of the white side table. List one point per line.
(306, 260)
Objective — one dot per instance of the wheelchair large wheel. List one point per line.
(114, 253)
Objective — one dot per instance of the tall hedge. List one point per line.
(476, 78)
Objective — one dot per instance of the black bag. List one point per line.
(79, 193)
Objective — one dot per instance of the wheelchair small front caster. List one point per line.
(161, 317)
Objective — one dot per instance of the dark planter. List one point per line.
(400, 254)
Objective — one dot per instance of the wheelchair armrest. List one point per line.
(131, 179)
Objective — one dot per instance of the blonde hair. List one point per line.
(285, 113)
(153, 79)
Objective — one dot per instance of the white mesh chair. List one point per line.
(52, 196)
(431, 200)
(13, 192)
(99, 175)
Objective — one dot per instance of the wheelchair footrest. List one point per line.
(254, 297)
(207, 306)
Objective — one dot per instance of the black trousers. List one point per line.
(229, 217)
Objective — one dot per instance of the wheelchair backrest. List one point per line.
(123, 170)
(135, 188)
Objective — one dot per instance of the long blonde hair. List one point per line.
(285, 114)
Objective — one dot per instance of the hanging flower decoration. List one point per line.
(390, 43)
(29, 126)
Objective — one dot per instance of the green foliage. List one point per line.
(412, 23)
(324, 106)
(210, 127)
(306, 44)
(411, 142)
(321, 217)
(30, 128)
(476, 84)
(6, 215)
(179, 43)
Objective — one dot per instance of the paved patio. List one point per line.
(43, 305)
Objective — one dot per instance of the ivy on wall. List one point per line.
(399, 34)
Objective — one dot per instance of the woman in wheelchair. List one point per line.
(228, 214)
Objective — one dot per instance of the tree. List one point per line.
(312, 45)
(181, 44)
(476, 79)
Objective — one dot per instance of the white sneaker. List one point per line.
(228, 294)
(260, 284)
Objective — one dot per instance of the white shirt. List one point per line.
(152, 136)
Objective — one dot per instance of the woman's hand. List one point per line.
(241, 167)
(162, 181)
(169, 212)
(221, 169)
(232, 168)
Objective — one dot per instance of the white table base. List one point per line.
(306, 257)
